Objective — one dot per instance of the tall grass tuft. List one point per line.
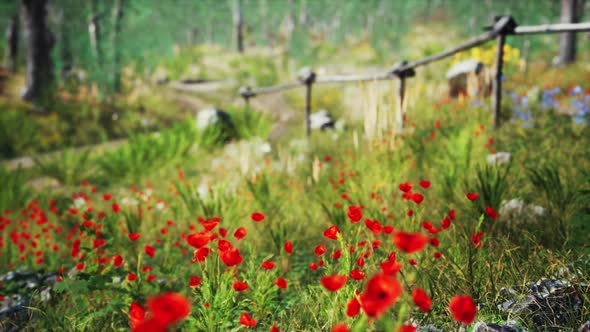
(560, 196)
(250, 123)
(492, 184)
(69, 167)
(14, 191)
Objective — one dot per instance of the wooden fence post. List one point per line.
(307, 77)
(402, 73)
(246, 93)
(497, 83)
(503, 31)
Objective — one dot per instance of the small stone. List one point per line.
(585, 327)
(499, 158)
(321, 120)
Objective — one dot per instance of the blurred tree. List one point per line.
(39, 42)
(238, 17)
(571, 12)
(12, 43)
(118, 11)
(94, 31)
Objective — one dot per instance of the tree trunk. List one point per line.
(290, 19)
(63, 40)
(39, 42)
(570, 13)
(94, 32)
(117, 23)
(238, 26)
(264, 22)
(12, 44)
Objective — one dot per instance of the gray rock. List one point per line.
(321, 119)
(458, 75)
(499, 158)
(464, 67)
(211, 117)
(428, 328)
(483, 327)
(585, 327)
(547, 302)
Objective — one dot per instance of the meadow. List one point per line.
(361, 229)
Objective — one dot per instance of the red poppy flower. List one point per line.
(421, 299)
(388, 229)
(150, 325)
(137, 315)
(452, 214)
(281, 283)
(417, 198)
(224, 245)
(194, 281)
(491, 212)
(169, 307)
(240, 286)
(131, 277)
(437, 255)
(118, 261)
(405, 187)
(201, 254)
(424, 184)
(149, 250)
(410, 242)
(246, 320)
(374, 226)
(434, 242)
(222, 232)
(476, 239)
(115, 208)
(427, 225)
(334, 283)
(390, 267)
(355, 214)
(80, 266)
(380, 293)
(231, 257)
(472, 196)
(353, 307)
(240, 233)
(446, 223)
(107, 197)
(288, 247)
(257, 216)
(210, 224)
(313, 266)
(332, 232)
(406, 328)
(134, 236)
(320, 250)
(199, 239)
(268, 265)
(340, 327)
(337, 254)
(463, 308)
(357, 275)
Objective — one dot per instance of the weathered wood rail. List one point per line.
(502, 27)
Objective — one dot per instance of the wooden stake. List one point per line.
(307, 77)
(401, 94)
(308, 109)
(497, 83)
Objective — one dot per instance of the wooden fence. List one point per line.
(503, 26)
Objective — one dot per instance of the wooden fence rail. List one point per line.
(502, 27)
